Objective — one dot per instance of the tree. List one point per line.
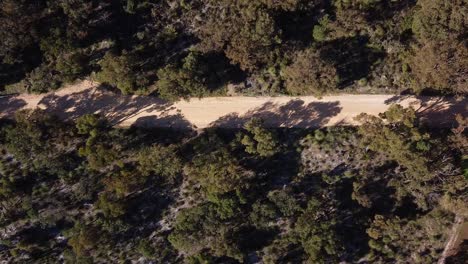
(159, 160)
(440, 61)
(71, 66)
(124, 182)
(12, 188)
(440, 19)
(263, 214)
(247, 33)
(99, 148)
(40, 80)
(259, 140)
(408, 241)
(218, 172)
(175, 83)
(82, 238)
(117, 71)
(316, 230)
(37, 140)
(398, 140)
(90, 124)
(440, 65)
(286, 204)
(320, 31)
(110, 206)
(310, 75)
(396, 135)
(145, 248)
(18, 37)
(198, 228)
(196, 74)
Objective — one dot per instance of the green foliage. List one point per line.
(82, 238)
(282, 249)
(359, 190)
(40, 80)
(320, 31)
(26, 139)
(360, 4)
(225, 207)
(10, 173)
(89, 124)
(247, 34)
(98, 152)
(418, 241)
(188, 221)
(285, 203)
(218, 171)
(117, 71)
(439, 19)
(71, 66)
(175, 83)
(439, 25)
(54, 44)
(197, 75)
(145, 248)
(110, 206)
(198, 228)
(319, 135)
(396, 134)
(200, 259)
(263, 214)
(316, 228)
(59, 42)
(125, 182)
(398, 140)
(259, 140)
(159, 160)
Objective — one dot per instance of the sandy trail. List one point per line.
(86, 97)
(458, 234)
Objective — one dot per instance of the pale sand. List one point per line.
(84, 97)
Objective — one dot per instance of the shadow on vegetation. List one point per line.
(352, 58)
(440, 111)
(31, 58)
(10, 105)
(295, 113)
(219, 71)
(387, 9)
(116, 108)
(297, 25)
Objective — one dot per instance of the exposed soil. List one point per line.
(86, 97)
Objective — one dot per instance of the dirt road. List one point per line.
(306, 111)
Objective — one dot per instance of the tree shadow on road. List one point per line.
(176, 121)
(295, 113)
(440, 111)
(10, 105)
(116, 108)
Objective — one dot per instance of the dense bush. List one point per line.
(379, 192)
(295, 47)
